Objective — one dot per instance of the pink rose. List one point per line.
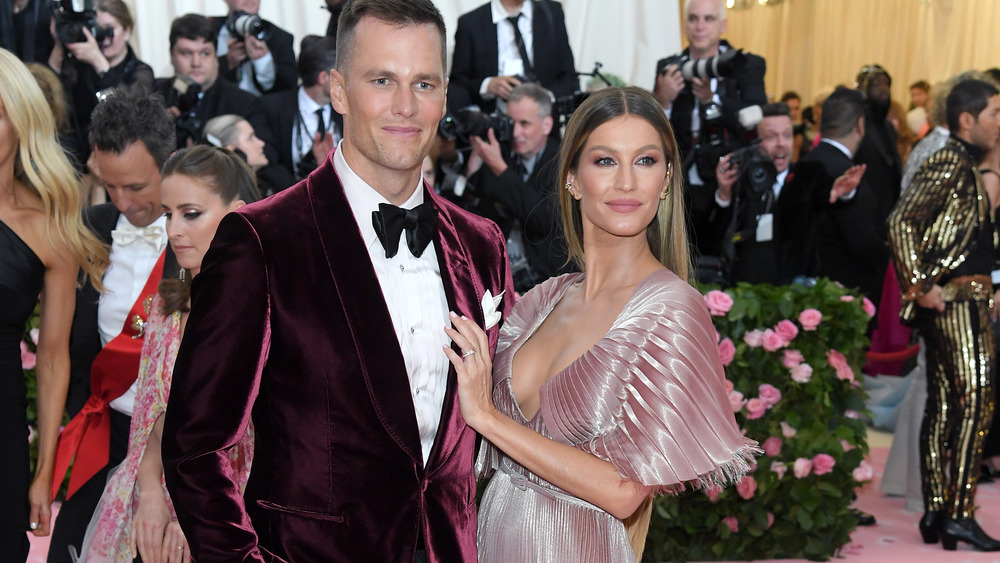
(770, 520)
(712, 492)
(727, 351)
(845, 373)
(755, 409)
(863, 472)
(34, 335)
(835, 359)
(719, 302)
(747, 487)
(792, 358)
(31, 434)
(729, 386)
(736, 400)
(868, 306)
(802, 467)
(772, 446)
(847, 298)
(772, 341)
(732, 522)
(787, 330)
(786, 430)
(780, 468)
(810, 319)
(823, 464)
(846, 445)
(802, 373)
(27, 357)
(753, 338)
(852, 414)
(769, 394)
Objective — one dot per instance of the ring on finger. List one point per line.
(469, 353)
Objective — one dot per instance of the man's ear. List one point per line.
(547, 123)
(338, 92)
(966, 121)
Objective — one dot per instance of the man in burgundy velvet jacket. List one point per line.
(332, 345)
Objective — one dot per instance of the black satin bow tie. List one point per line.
(390, 221)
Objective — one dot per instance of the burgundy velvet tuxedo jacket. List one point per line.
(289, 326)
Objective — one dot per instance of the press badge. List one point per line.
(765, 227)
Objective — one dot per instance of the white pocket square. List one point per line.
(490, 304)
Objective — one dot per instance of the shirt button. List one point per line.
(402, 268)
(412, 330)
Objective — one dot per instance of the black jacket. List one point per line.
(280, 43)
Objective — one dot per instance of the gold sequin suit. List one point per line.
(933, 231)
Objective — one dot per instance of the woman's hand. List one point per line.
(89, 52)
(474, 369)
(149, 525)
(41, 505)
(175, 545)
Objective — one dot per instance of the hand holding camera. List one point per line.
(500, 86)
(669, 83)
(726, 174)
(490, 151)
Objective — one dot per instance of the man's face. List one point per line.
(392, 96)
(878, 89)
(195, 58)
(775, 135)
(919, 97)
(703, 27)
(530, 130)
(248, 6)
(132, 180)
(985, 131)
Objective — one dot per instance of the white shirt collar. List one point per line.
(839, 146)
(364, 199)
(307, 105)
(500, 13)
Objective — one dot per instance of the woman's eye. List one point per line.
(604, 161)
(646, 161)
(192, 215)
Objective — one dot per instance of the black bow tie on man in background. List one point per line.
(390, 221)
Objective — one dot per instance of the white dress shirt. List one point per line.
(509, 60)
(124, 279)
(414, 295)
(262, 68)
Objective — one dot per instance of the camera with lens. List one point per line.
(184, 95)
(240, 24)
(564, 107)
(70, 22)
(756, 169)
(720, 66)
(468, 123)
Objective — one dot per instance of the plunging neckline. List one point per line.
(516, 346)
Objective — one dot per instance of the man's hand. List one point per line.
(668, 84)
(254, 47)
(237, 52)
(501, 86)
(322, 146)
(702, 89)
(933, 299)
(847, 182)
(89, 52)
(489, 151)
(725, 174)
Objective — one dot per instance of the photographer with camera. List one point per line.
(704, 88)
(518, 190)
(254, 54)
(197, 93)
(765, 207)
(92, 56)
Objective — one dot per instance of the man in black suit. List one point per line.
(132, 136)
(519, 192)
(256, 66)
(192, 54)
(688, 104)
(303, 124)
(505, 42)
(878, 150)
(851, 236)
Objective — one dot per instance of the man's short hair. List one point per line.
(776, 109)
(722, 8)
(968, 96)
(192, 27)
(131, 114)
(841, 112)
(532, 91)
(921, 85)
(318, 54)
(394, 12)
(791, 95)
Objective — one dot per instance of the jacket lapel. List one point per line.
(358, 292)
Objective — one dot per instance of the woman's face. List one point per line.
(193, 214)
(621, 175)
(116, 47)
(251, 146)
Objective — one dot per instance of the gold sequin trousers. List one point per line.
(960, 364)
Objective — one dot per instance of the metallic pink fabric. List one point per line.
(649, 397)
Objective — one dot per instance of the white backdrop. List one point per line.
(627, 36)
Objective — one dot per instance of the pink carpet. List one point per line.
(894, 538)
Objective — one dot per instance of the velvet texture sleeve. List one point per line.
(661, 414)
(216, 379)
